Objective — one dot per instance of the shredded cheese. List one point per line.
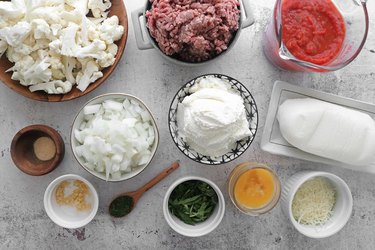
(314, 201)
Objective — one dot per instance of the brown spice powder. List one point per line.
(44, 148)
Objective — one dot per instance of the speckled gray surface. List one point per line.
(24, 224)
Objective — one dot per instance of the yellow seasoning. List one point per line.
(77, 198)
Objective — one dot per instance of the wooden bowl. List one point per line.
(22, 151)
(118, 8)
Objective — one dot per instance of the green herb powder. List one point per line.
(121, 206)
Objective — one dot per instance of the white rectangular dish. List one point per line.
(272, 140)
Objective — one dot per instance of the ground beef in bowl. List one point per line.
(193, 30)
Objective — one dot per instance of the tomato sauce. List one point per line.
(312, 30)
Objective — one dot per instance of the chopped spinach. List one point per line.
(192, 201)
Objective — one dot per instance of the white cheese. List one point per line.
(328, 130)
(212, 119)
(314, 202)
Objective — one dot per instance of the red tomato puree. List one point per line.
(313, 30)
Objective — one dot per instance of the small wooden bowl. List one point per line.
(118, 9)
(22, 151)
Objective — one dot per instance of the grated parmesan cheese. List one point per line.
(314, 201)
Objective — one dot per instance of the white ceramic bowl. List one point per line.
(66, 216)
(199, 229)
(342, 210)
(240, 147)
(78, 120)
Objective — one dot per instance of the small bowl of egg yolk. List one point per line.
(254, 188)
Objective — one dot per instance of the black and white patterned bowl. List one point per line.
(241, 146)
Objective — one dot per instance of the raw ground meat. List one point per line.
(193, 30)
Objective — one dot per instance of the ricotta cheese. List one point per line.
(213, 118)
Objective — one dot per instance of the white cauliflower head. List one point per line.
(54, 45)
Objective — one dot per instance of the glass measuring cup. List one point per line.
(355, 15)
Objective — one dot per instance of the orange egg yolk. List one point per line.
(254, 188)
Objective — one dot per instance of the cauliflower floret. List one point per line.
(92, 50)
(74, 16)
(80, 5)
(15, 35)
(41, 44)
(99, 7)
(12, 55)
(112, 48)
(30, 72)
(53, 87)
(110, 31)
(23, 49)
(93, 33)
(57, 66)
(90, 73)
(69, 64)
(55, 29)
(55, 46)
(106, 59)
(41, 29)
(88, 32)
(68, 40)
(55, 61)
(47, 10)
(11, 12)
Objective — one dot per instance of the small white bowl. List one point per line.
(66, 216)
(199, 229)
(78, 120)
(341, 212)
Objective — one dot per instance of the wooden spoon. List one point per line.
(124, 203)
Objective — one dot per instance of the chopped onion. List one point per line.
(115, 137)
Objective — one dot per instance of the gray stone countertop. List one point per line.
(24, 223)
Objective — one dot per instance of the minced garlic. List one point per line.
(77, 198)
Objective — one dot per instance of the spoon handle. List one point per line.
(160, 177)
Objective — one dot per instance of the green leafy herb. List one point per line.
(192, 201)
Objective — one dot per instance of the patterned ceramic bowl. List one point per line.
(241, 146)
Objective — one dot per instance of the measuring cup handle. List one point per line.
(160, 176)
(137, 26)
(248, 14)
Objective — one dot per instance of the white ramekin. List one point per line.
(199, 229)
(63, 215)
(342, 210)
